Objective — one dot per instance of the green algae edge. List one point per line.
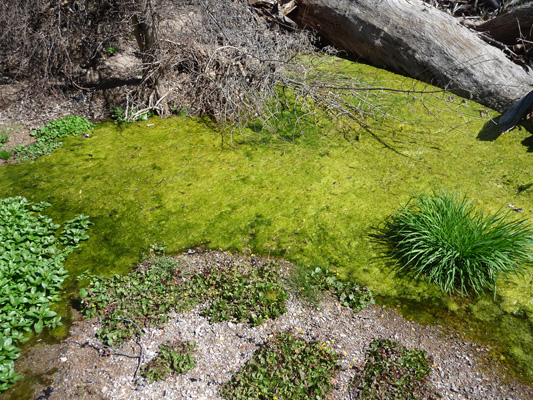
(314, 200)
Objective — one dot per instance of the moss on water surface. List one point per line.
(316, 200)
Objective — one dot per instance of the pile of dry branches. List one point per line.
(220, 59)
(54, 43)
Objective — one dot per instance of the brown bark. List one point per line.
(512, 27)
(143, 20)
(414, 39)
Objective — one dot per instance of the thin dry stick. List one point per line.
(98, 345)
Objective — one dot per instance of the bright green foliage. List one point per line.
(312, 282)
(285, 367)
(111, 50)
(5, 154)
(147, 295)
(3, 139)
(172, 358)
(443, 238)
(48, 137)
(63, 127)
(392, 372)
(31, 273)
(33, 151)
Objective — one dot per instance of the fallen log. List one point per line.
(417, 40)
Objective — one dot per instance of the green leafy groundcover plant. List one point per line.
(286, 367)
(48, 137)
(392, 372)
(313, 281)
(443, 238)
(241, 293)
(31, 273)
(172, 358)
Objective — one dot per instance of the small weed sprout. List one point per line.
(444, 239)
(111, 50)
(129, 114)
(5, 154)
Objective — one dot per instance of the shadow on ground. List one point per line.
(491, 131)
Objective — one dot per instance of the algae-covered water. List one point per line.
(317, 199)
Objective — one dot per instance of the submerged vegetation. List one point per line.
(32, 254)
(308, 195)
(443, 238)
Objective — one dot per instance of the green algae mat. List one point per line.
(315, 200)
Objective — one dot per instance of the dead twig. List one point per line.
(103, 347)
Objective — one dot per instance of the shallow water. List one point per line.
(316, 200)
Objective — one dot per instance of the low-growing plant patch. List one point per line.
(392, 372)
(31, 273)
(245, 294)
(3, 139)
(312, 282)
(285, 367)
(5, 154)
(443, 238)
(172, 358)
(48, 137)
(33, 151)
(63, 127)
(146, 296)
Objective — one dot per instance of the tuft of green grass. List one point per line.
(173, 358)
(392, 372)
(445, 239)
(286, 367)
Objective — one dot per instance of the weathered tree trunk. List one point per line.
(417, 40)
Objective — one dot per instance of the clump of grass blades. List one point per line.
(443, 238)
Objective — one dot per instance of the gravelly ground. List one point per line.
(78, 368)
